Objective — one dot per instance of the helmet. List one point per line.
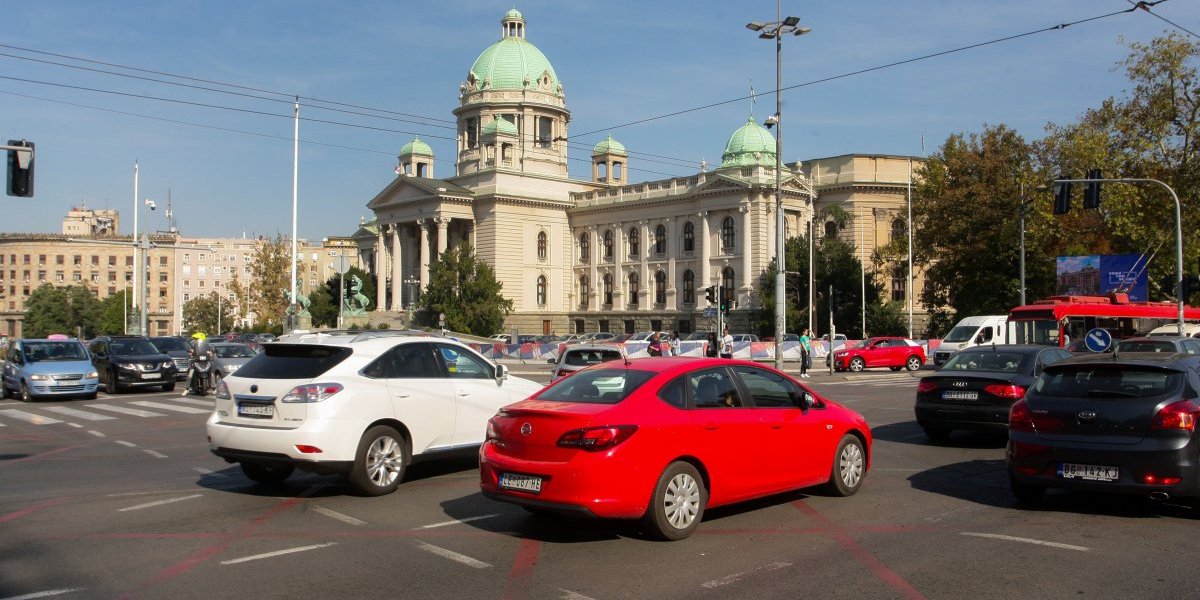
(199, 335)
(202, 346)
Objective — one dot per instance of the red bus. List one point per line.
(1057, 320)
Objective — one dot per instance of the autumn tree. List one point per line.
(270, 271)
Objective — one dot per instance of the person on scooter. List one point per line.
(200, 347)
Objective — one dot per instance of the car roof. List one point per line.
(1178, 360)
(1022, 348)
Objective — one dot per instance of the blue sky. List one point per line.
(619, 61)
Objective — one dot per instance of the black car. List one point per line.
(131, 361)
(1109, 424)
(178, 349)
(975, 387)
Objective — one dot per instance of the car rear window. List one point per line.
(597, 386)
(1004, 362)
(1146, 346)
(170, 344)
(582, 358)
(293, 361)
(1108, 381)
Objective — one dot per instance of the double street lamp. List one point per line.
(775, 30)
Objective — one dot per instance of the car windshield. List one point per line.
(170, 344)
(1108, 381)
(50, 351)
(233, 351)
(131, 347)
(581, 358)
(599, 386)
(864, 344)
(961, 333)
(1146, 346)
(697, 335)
(1004, 362)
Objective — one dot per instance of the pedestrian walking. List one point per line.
(674, 343)
(805, 352)
(656, 346)
(727, 345)
(710, 349)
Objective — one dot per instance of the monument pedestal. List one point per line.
(355, 321)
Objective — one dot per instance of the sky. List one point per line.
(670, 80)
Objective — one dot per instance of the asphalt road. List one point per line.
(119, 497)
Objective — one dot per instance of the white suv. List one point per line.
(362, 406)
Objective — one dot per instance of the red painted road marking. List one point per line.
(521, 575)
(32, 509)
(42, 455)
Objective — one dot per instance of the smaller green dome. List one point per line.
(416, 146)
(751, 144)
(610, 146)
(499, 125)
(513, 14)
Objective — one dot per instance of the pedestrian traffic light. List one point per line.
(710, 294)
(1062, 197)
(1091, 190)
(20, 169)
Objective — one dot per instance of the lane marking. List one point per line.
(154, 454)
(79, 414)
(158, 503)
(32, 509)
(452, 555)
(125, 410)
(176, 408)
(28, 417)
(277, 553)
(206, 403)
(203, 471)
(1009, 538)
(127, 444)
(455, 522)
(45, 594)
(96, 433)
(333, 514)
(736, 577)
(569, 595)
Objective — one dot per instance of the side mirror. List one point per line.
(501, 373)
(807, 401)
(551, 361)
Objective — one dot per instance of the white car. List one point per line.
(363, 406)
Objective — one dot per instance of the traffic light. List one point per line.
(20, 169)
(1091, 190)
(710, 294)
(1062, 197)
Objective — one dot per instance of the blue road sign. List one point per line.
(1098, 340)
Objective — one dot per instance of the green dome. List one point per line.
(610, 146)
(500, 125)
(751, 144)
(416, 146)
(514, 14)
(513, 64)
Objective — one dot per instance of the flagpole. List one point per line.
(295, 178)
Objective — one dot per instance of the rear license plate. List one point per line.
(256, 410)
(151, 375)
(525, 483)
(1088, 472)
(957, 395)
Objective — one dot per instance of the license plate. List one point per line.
(256, 410)
(1088, 472)
(525, 483)
(957, 395)
(151, 375)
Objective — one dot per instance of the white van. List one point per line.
(972, 331)
(1189, 329)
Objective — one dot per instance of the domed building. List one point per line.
(606, 254)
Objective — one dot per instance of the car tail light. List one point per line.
(306, 449)
(1009, 391)
(222, 390)
(1179, 415)
(311, 392)
(924, 386)
(594, 439)
(493, 432)
(1019, 418)
(1152, 479)
(563, 373)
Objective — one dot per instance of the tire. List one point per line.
(857, 364)
(937, 434)
(894, 368)
(168, 387)
(1025, 493)
(380, 462)
(913, 364)
(677, 506)
(112, 386)
(849, 467)
(91, 396)
(266, 474)
(25, 396)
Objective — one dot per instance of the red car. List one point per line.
(662, 439)
(894, 352)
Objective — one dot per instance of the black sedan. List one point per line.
(1123, 425)
(975, 387)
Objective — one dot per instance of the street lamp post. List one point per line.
(776, 30)
(411, 282)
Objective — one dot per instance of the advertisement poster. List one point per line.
(1099, 274)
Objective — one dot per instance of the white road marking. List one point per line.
(182, 409)
(728, 579)
(276, 553)
(456, 521)
(1009, 538)
(125, 410)
(454, 556)
(158, 503)
(96, 433)
(155, 454)
(75, 425)
(203, 471)
(28, 417)
(79, 414)
(45, 594)
(569, 595)
(333, 514)
(194, 402)
(127, 444)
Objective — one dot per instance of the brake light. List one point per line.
(493, 432)
(1019, 418)
(594, 439)
(311, 392)
(222, 390)
(307, 449)
(1179, 415)
(1152, 479)
(924, 386)
(1009, 391)
(563, 373)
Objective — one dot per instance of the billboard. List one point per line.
(1099, 274)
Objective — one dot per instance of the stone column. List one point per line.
(423, 249)
(747, 251)
(622, 289)
(644, 272)
(443, 235)
(673, 246)
(771, 239)
(597, 290)
(380, 273)
(397, 290)
(705, 253)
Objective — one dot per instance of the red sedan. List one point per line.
(662, 439)
(894, 352)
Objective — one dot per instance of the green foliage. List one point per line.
(368, 289)
(466, 290)
(887, 318)
(270, 270)
(324, 312)
(111, 319)
(73, 310)
(203, 314)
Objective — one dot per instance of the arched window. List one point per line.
(831, 229)
(727, 234)
(608, 285)
(660, 287)
(583, 247)
(689, 287)
(585, 289)
(542, 245)
(660, 240)
(635, 242)
(541, 290)
(899, 230)
(634, 284)
(608, 245)
(689, 237)
(727, 286)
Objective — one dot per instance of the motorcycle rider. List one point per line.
(199, 347)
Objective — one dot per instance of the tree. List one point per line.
(333, 286)
(465, 289)
(112, 314)
(322, 309)
(200, 314)
(271, 271)
(73, 310)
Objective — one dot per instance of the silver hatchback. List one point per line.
(575, 358)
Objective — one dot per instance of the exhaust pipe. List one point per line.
(1158, 496)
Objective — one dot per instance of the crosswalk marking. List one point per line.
(194, 402)
(174, 407)
(79, 414)
(125, 410)
(28, 417)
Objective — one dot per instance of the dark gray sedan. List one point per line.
(228, 357)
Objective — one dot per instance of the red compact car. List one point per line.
(894, 352)
(662, 439)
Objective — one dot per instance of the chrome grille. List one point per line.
(67, 377)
